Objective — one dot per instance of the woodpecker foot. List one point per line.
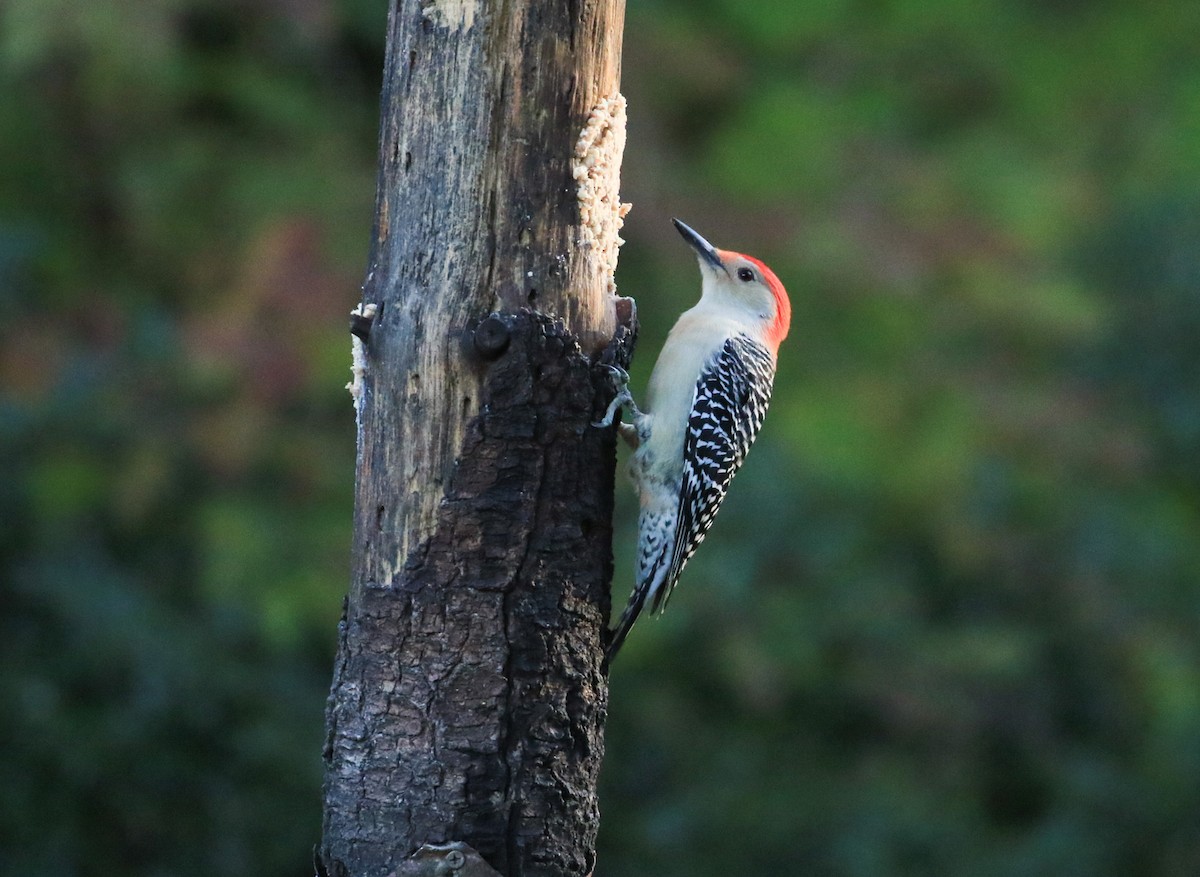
(619, 375)
(623, 399)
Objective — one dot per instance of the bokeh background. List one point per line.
(949, 620)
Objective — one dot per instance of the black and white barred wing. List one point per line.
(728, 409)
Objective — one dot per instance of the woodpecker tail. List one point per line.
(653, 568)
(649, 589)
(632, 610)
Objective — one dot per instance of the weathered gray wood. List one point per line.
(468, 698)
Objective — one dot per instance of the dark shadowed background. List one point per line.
(949, 620)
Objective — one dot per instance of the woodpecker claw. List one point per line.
(622, 399)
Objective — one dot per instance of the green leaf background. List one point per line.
(948, 622)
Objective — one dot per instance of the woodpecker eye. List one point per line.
(745, 274)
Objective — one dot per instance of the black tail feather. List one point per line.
(634, 608)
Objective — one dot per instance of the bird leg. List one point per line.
(624, 399)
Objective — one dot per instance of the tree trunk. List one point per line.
(469, 696)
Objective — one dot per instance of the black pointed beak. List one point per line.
(706, 251)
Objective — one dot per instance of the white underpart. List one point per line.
(657, 465)
(596, 167)
(455, 14)
(696, 339)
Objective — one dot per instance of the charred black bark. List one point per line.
(501, 613)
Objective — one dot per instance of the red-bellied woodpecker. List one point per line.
(707, 398)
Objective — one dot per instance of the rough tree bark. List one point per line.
(469, 697)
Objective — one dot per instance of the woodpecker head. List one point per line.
(744, 283)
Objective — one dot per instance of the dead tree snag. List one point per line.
(468, 699)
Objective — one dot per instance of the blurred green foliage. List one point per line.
(949, 621)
